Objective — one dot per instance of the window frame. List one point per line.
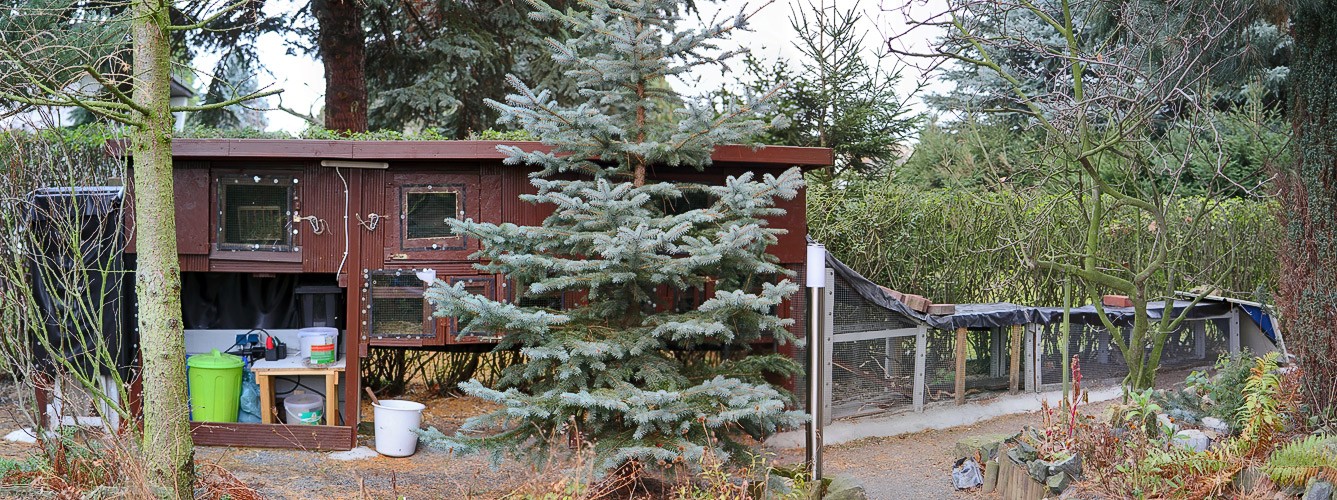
(448, 243)
(222, 181)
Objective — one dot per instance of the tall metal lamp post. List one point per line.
(816, 281)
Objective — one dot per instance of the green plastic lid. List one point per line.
(215, 359)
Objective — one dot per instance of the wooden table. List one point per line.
(291, 366)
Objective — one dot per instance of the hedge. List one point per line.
(957, 246)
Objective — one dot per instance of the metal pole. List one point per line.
(1064, 342)
(816, 281)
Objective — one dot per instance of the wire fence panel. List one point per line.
(872, 375)
(872, 355)
(1195, 343)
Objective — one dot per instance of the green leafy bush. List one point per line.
(955, 246)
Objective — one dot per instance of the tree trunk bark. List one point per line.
(342, 44)
(166, 444)
(1308, 215)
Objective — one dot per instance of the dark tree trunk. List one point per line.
(1308, 291)
(342, 46)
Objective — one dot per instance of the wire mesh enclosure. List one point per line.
(882, 356)
(873, 354)
(255, 212)
(1195, 343)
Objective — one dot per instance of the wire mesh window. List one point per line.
(396, 308)
(482, 286)
(256, 212)
(854, 313)
(872, 375)
(423, 213)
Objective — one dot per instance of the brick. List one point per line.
(1116, 301)
(916, 302)
(942, 309)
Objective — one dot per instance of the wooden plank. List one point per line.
(961, 366)
(332, 398)
(875, 334)
(726, 155)
(305, 437)
(1014, 372)
(1234, 331)
(921, 360)
(827, 309)
(942, 309)
(266, 398)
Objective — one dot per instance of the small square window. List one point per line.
(255, 212)
(423, 212)
(427, 214)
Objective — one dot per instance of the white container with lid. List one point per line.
(304, 409)
(314, 335)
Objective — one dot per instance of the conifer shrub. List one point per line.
(608, 369)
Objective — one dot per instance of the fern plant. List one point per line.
(1299, 460)
(1262, 414)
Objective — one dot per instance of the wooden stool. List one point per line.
(291, 366)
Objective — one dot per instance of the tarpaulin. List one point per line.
(239, 301)
(78, 285)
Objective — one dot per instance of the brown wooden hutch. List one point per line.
(366, 215)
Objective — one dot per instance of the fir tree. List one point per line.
(621, 365)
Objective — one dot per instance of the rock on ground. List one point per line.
(1216, 425)
(986, 445)
(1320, 490)
(1191, 439)
(358, 453)
(845, 487)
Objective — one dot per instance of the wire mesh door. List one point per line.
(874, 355)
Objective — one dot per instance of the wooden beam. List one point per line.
(1014, 372)
(961, 366)
(778, 156)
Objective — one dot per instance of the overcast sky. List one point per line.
(302, 78)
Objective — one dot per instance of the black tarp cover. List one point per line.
(79, 291)
(239, 301)
(1002, 314)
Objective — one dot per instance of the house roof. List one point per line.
(776, 156)
(180, 89)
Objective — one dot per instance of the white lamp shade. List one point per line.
(816, 275)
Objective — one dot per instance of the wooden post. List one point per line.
(1014, 375)
(961, 366)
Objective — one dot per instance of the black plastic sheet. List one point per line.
(78, 286)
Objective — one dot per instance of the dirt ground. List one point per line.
(909, 466)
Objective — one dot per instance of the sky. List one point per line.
(302, 77)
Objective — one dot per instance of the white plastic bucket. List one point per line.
(304, 409)
(315, 334)
(395, 422)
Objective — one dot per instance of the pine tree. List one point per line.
(622, 366)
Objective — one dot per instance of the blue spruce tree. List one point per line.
(621, 364)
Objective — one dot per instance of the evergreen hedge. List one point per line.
(959, 246)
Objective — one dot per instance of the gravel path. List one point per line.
(908, 466)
